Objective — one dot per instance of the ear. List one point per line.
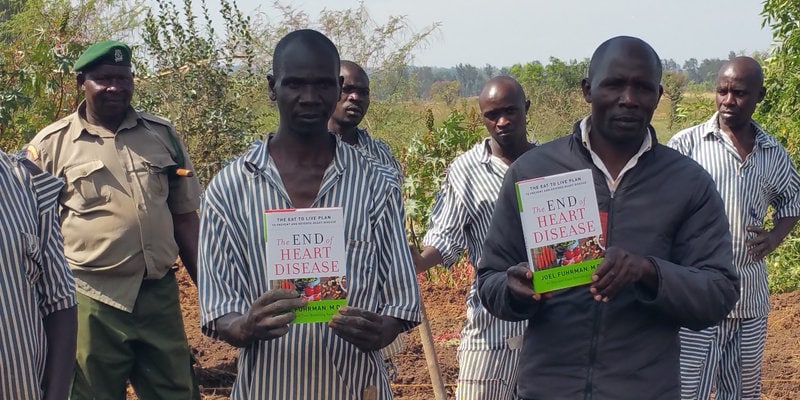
(271, 84)
(586, 87)
(761, 93)
(660, 90)
(79, 80)
(527, 105)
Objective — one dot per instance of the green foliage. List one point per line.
(555, 94)
(427, 156)
(384, 49)
(36, 59)
(693, 109)
(445, 91)
(674, 84)
(202, 84)
(778, 114)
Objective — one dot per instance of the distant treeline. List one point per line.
(464, 80)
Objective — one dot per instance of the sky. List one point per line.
(505, 32)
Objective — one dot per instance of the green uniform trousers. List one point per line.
(147, 347)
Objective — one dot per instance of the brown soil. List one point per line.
(445, 309)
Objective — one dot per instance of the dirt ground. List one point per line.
(445, 307)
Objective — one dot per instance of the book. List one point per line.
(563, 229)
(306, 253)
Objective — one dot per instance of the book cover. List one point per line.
(306, 253)
(563, 229)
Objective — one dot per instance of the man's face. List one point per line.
(503, 111)
(737, 96)
(108, 90)
(354, 100)
(306, 89)
(624, 93)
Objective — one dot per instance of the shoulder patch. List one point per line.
(31, 153)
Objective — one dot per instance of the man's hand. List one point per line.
(365, 329)
(762, 244)
(520, 283)
(268, 318)
(417, 258)
(619, 269)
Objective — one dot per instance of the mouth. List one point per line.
(310, 117)
(627, 120)
(354, 111)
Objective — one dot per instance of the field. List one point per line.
(443, 296)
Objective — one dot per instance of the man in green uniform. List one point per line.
(127, 211)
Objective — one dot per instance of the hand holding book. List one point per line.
(268, 318)
(365, 329)
(619, 269)
(519, 279)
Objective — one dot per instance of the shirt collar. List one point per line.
(258, 156)
(486, 153)
(131, 120)
(763, 139)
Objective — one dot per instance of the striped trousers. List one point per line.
(487, 374)
(726, 357)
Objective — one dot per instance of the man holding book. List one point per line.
(302, 165)
(489, 350)
(752, 172)
(667, 261)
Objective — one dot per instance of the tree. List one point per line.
(384, 50)
(674, 84)
(778, 114)
(41, 40)
(445, 91)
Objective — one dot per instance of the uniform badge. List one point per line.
(118, 55)
(31, 153)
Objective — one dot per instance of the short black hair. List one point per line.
(354, 66)
(307, 37)
(600, 53)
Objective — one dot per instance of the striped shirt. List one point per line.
(310, 362)
(377, 150)
(460, 220)
(34, 277)
(765, 177)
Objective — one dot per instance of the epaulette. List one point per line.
(155, 118)
(55, 127)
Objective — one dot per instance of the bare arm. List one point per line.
(186, 227)
(429, 258)
(61, 329)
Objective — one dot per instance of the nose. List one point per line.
(503, 122)
(309, 94)
(354, 96)
(627, 97)
(728, 98)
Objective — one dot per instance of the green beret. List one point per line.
(109, 52)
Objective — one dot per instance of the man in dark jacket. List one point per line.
(668, 251)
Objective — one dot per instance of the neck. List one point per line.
(110, 123)
(741, 132)
(614, 155)
(349, 134)
(305, 145)
(509, 153)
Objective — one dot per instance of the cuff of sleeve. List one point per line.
(208, 319)
(410, 317)
(58, 305)
(645, 294)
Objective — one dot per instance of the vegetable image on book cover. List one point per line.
(306, 253)
(563, 229)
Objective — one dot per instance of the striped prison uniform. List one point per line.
(310, 362)
(378, 151)
(489, 351)
(35, 280)
(729, 356)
